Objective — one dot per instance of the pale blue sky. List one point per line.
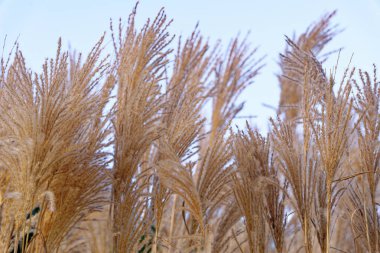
(39, 23)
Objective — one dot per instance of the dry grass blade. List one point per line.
(141, 61)
(313, 40)
(298, 163)
(179, 180)
(186, 94)
(250, 203)
(332, 133)
(233, 73)
(182, 118)
(223, 237)
(362, 201)
(252, 160)
(213, 175)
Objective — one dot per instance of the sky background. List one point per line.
(39, 23)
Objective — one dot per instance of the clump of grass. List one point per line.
(50, 159)
(116, 153)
